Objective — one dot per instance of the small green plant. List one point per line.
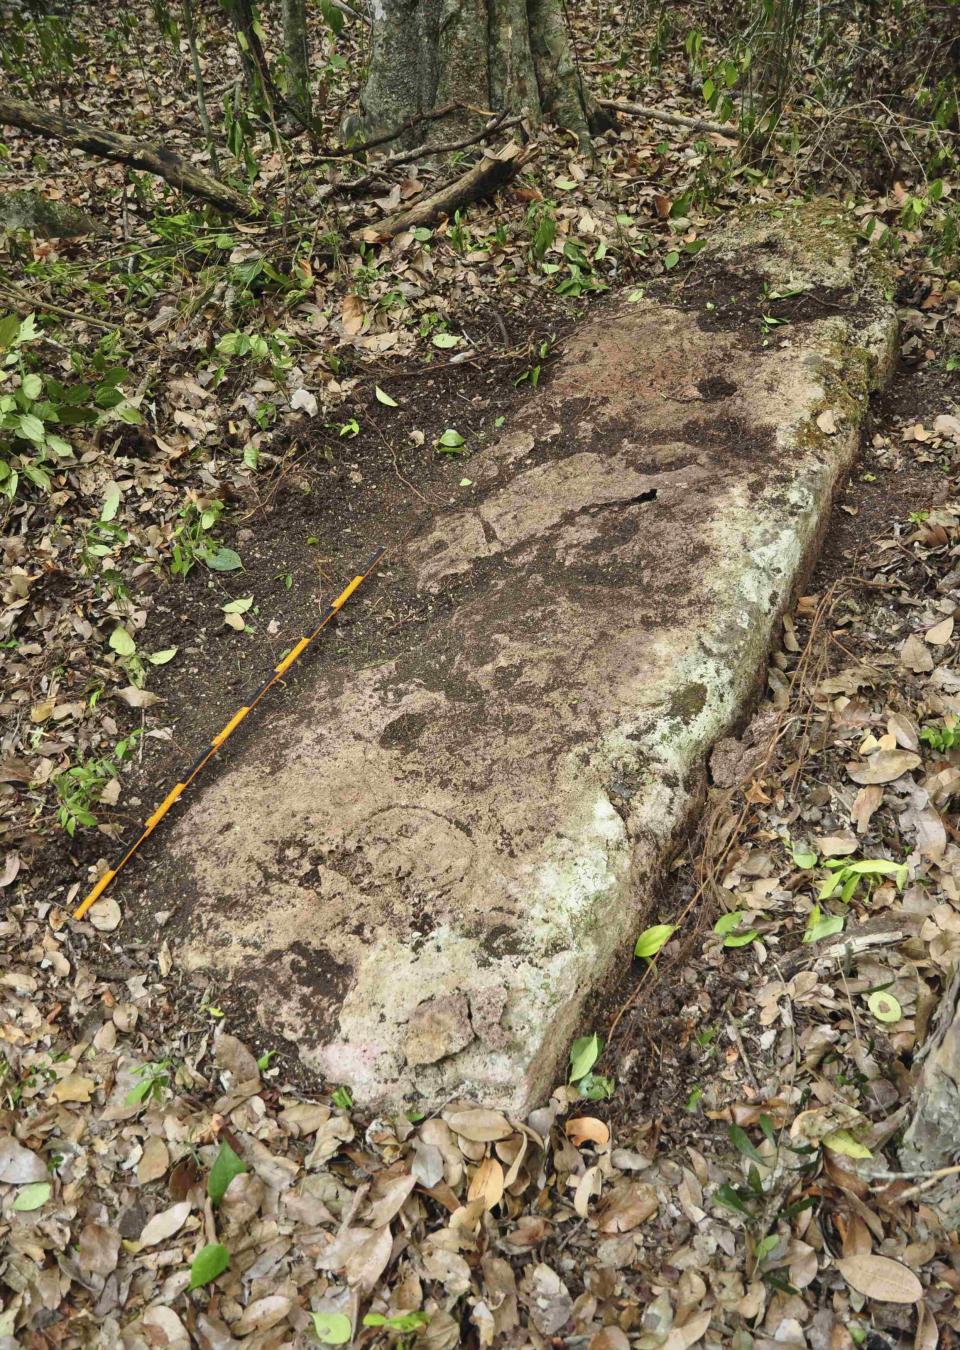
(846, 877)
(154, 1079)
(584, 1053)
(80, 787)
(33, 404)
(531, 375)
(194, 540)
(946, 737)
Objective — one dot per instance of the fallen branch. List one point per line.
(156, 159)
(486, 176)
(499, 123)
(672, 119)
(29, 304)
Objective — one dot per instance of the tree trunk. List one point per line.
(932, 1139)
(488, 56)
(296, 53)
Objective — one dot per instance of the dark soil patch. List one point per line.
(726, 301)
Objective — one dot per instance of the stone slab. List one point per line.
(451, 849)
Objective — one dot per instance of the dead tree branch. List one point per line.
(108, 144)
(672, 119)
(486, 176)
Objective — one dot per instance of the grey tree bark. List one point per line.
(485, 55)
(297, 56)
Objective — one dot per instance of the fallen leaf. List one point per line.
(880, 1278)
(941, 633)
(165, 1224)
(915, 656)
(18, 1165)
(884, 766)
(587, 1129)
(487, 1184)
(105, 914)
(74, 1088)
(478, 1124)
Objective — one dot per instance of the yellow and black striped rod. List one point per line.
(151, 823)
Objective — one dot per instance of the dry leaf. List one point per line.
(487, 1184)
(105, 914)
(154, 1161)
(915, 656)
(629, 1204)
(479, 1125)
(165, 1224)
(941, 633)
(74, 1088)
(18, 1165)
(884, 766)
(880, 1278)
(587, 1129)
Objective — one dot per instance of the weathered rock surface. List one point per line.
(446, 852)
(25, 209)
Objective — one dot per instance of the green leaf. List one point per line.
(32, 1197)
(819, 928)
(450, 443)
(9, 331)
(842, 1141)
(727, 923)
(111, 502)
(31, 428)
(223, 560)
(384, 398)
(32, 386)
(671, 260)
(652, 939)
(332, 1328)
(741, 939)
(121, 641)
(765, 1246)
(884, 1007)
(445, 340)
(209, 1262)
(161, 658)
(227, 1165)
(239, 606)
(727, 1196)
(804, 858)
(584, 1053)
(741, 1142)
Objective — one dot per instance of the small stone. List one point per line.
(438, 1028)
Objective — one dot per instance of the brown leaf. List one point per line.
(18, 1165)
(915, 656)
(940, 634)
(478, 1124)
(487, 1184)
(99, 1249)
(880, 1278)
(587, 1129)
(628, 1205)
(154, 1161)
(884, 766)
(165, 1224)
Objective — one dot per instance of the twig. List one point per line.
(672, 119)
(20, 297)
(432, 116)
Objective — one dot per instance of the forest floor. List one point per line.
(722, 1169)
